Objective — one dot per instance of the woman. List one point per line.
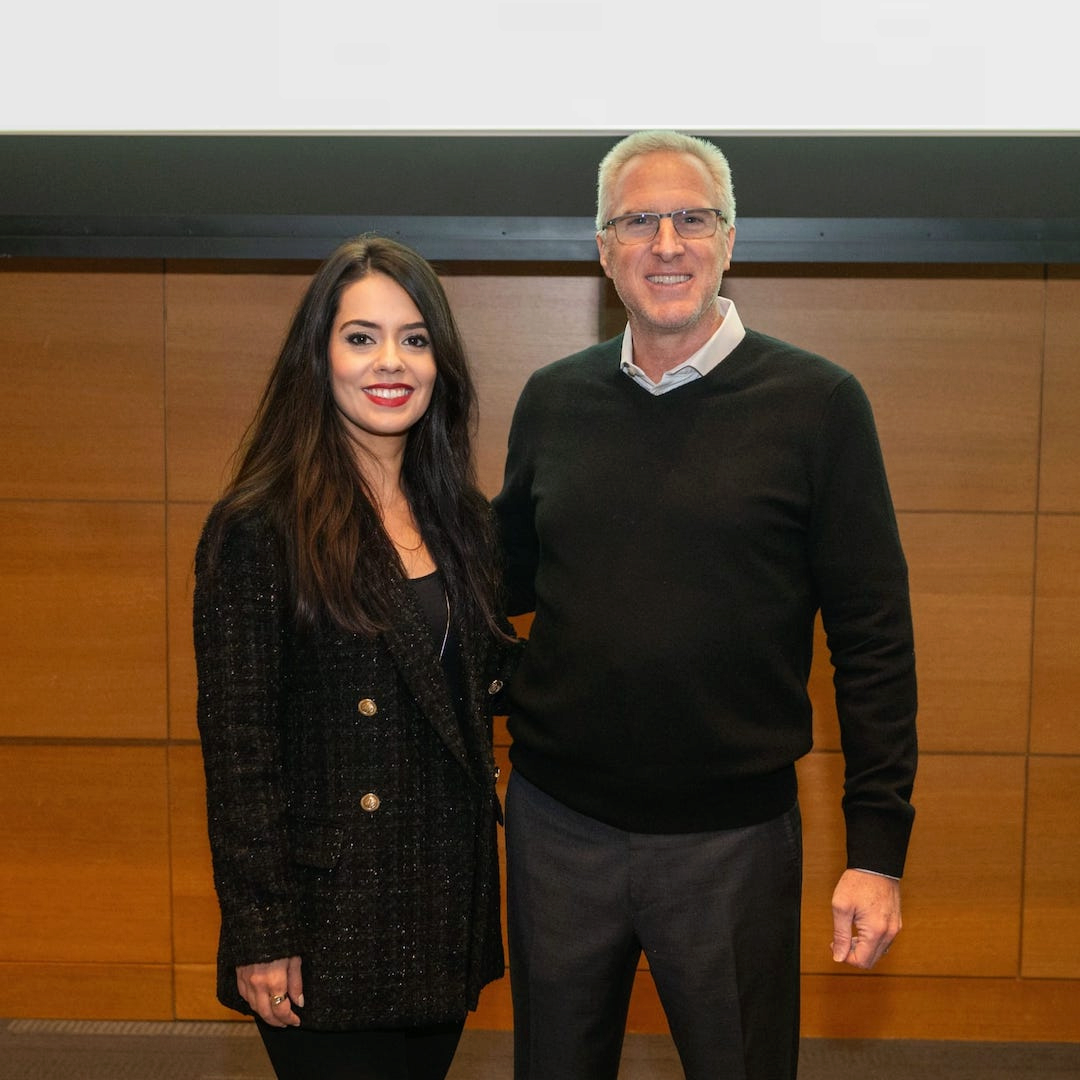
(348, 651)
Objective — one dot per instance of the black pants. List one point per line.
(421, 1053)
(716, 913)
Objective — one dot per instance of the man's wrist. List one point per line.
(876, 873)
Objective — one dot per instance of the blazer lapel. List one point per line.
(409, 643)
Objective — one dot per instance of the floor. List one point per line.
(95, 1050)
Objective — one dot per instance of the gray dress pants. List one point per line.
(716, 914)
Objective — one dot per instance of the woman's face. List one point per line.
(382, 366)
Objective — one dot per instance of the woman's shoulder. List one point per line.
(237, 534)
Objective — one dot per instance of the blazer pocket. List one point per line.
(317, 844)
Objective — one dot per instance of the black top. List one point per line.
(434, 603)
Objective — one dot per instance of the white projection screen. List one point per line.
(545, 66)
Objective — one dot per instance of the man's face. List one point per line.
(668, 285)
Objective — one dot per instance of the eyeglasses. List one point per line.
(696, 224)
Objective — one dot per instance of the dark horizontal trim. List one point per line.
(529, 197)
(909, 240)
(522, 175)
(296, 236)
(533, 239)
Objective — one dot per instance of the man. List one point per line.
(678, 504)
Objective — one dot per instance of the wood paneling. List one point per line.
(107, 906)
(1052, 878)
(225, 327)
(193, 987)
(962, 883)
(84, 874)
(512, 325)
(82, 619)
(1055, 692)
(951, 363)
(867, 1006)
(495, 1011)
(184, 526)
(99, 991)
(1059, 474)
(196, 917)
(81, 355)
(971, 584)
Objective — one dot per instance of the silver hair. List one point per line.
(652, 142)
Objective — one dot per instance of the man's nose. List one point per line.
(667, 241)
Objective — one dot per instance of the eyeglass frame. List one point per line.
(720, 217)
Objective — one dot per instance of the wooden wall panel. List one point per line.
(82, 412)
(971, 583)
(97, 537)
(226, 324)
(1052, 878)
(823, 694)
(868, 1006)
(196, 916)
(1059, 473)
(950, 361)
(193, 991)
(98, 991)
(514, 323)
(1055, 704)
(82, 631)
(495, 1011)
(184, 526)
(962, 884)
(84, 875)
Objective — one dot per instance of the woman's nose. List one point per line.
(389, 359)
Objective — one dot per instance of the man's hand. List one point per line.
(866, 917)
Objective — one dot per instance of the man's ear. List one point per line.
(601, 246)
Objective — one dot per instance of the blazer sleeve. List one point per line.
(240, 626)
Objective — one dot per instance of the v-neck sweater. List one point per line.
(676, 550)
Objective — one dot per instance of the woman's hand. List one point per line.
(270, 989)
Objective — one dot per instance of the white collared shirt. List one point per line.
(728, 334)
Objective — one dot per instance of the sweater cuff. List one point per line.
(878, 842)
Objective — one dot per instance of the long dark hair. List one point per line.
(297, 465)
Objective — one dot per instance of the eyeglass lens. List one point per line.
(689, 224)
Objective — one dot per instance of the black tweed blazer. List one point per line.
(352, 816)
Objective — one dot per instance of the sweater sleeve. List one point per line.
(514, 514)
(240, 615)
(861, 573)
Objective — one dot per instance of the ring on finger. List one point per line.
(277, 999)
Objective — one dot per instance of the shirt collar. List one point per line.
(728, 335)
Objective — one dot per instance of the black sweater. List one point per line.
(675, 549)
